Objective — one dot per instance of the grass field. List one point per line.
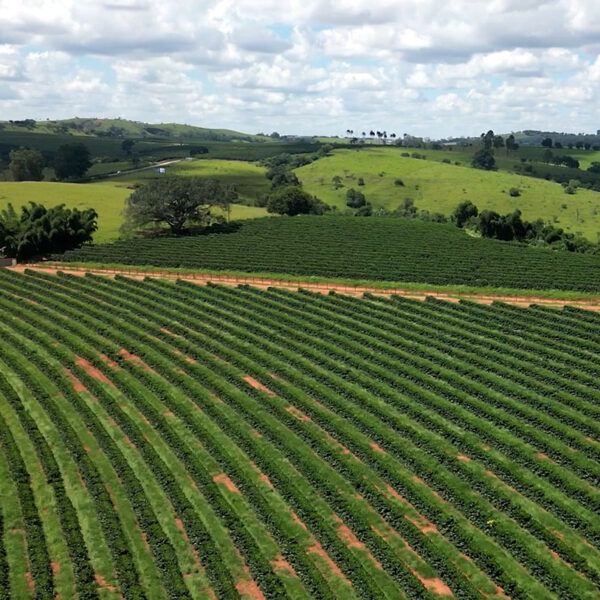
(375, 248)
(169, 440)
(107, 198)
(439, 187)
(248, 178)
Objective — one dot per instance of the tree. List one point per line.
(355, 199)
(26, 165)
(407, 209)
(594, 168)
(71, 161)
(498, 141)
(511, 144)
(293, 200)
(463, 213)
(178, 202)
(127, 146)
(547, 142)
(484, 159)
(488, 139)
(548, 155)
(40, 230)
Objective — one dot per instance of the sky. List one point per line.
(433, 68)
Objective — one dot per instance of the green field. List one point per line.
(166, 440)
(439, 187)
(107, 198)
(248, 178)
(375, 248)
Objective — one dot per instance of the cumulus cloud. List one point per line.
(306, 66)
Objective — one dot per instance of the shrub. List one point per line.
(514, 192)
(360, 181)
(399, 182)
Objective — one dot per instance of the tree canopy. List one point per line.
(293, 200)
(39, 230)
(26, 164)
(484, 159)
(71, 161)
(178, 202)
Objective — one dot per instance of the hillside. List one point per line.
(170, 440)
(440, 187)
(123, 128)
(385, 249)
(108, 199)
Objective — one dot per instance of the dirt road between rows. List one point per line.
(321, 287)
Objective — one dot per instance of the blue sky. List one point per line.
(307, 67)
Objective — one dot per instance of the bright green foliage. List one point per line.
(26, 165)
(201, 442)
(389, 249)
(439, 187)
(39, 230)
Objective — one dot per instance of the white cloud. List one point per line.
(306, 65)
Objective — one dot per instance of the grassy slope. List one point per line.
(248, 178)
(108, 200)
(440, 187)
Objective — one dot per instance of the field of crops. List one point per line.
(370, 248)
(440, 187)
(169, 440)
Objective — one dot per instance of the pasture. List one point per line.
(108, 198)
(166, 440)
(248, 178)
(439, 187)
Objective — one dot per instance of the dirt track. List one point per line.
(202, 279)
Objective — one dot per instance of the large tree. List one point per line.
(293, 200)
(177, 202)
(484, 159)
(39, 230)
(26, 165)
(71, 161)
(464, 212)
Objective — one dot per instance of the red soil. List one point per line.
(224, 480)
(298, 520)
(257, 385)
(298, 413)
(30, 582)
(318, 550)
(134, 358)
(435, 585)
(93, 371)
(280, 564)
(463, 458)
(77, 385)
(249, 589)
(395, 494)
(109, 361)
(422, 524)
(346, 534)
(377, 448)
(104, 584)
(324, 288)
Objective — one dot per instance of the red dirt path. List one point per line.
(259, 282)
